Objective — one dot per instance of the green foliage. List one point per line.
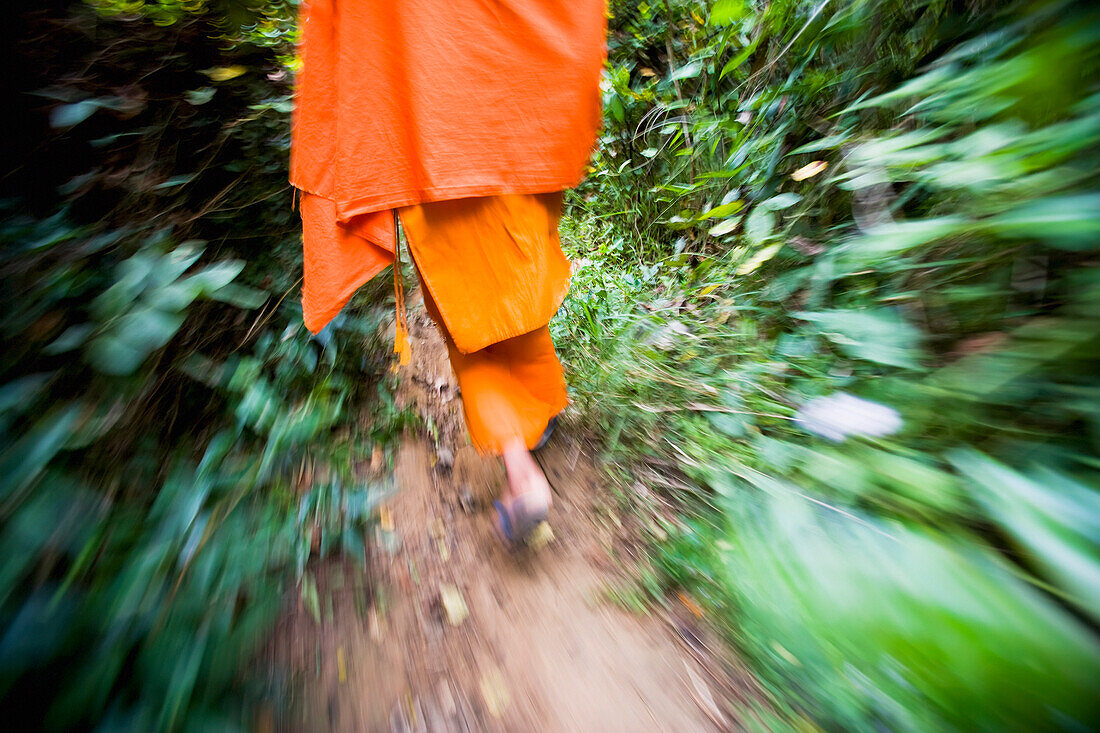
(176, 446)
(897, 201)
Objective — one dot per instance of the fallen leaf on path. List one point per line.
(690, 604)
(453, 604)
(705, 700)
(444, 459)
(341, 665)
(447, 699)
(541, 536)
(494, 692)
(310, 598)
(374, 626)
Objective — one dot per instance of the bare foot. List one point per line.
(525, 478)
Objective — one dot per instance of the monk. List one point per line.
(459, 122)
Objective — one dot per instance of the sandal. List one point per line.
(517, 520)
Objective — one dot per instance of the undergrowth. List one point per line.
(176, 446)
(836, 314)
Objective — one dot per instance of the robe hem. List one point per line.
(499, 335)
(316, 320)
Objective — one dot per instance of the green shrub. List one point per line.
(176, 446)
(795, 202)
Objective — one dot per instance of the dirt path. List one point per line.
(460, 635)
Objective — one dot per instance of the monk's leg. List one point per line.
(510, 390)
(532, 360)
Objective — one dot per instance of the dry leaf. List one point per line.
(494, 692)
(375, 626)
(540, 536)
(453, 604)
(690, 604)
(705, 700)
(224, 73)
(809, 170)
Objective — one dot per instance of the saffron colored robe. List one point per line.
(403, 103)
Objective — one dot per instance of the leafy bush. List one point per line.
(176, 446)
(837, 299)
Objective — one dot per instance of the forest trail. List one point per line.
(462, 635)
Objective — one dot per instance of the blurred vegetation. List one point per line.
(837, 312)
(176, 446)
(791, 201)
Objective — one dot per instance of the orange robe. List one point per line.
(467, 118)
(495, 321)
(404, 102)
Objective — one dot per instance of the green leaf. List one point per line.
(759, 225)
(725, 226)
(17, 395)
(240, 296)
(148, 328)
(875, 334)
(1052, 517)
(761, 256)
(687, 71)
(722, 210)
(1066, 222)
(72, 338)
(174, 297)
(782, 201)
(740, 58)
(169, 267)
(224, 73)
(886, 240)
(96, 420)
(732, 424)
(724, 12)
(200, 96)
(69, 115)
(826, 143)
(175, 181)
(217, 276)
(24, 460)
(112, 355)
(917, 614)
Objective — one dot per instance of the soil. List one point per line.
(452, 631)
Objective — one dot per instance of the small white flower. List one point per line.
(840, 415)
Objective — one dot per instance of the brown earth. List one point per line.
(453, 632)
